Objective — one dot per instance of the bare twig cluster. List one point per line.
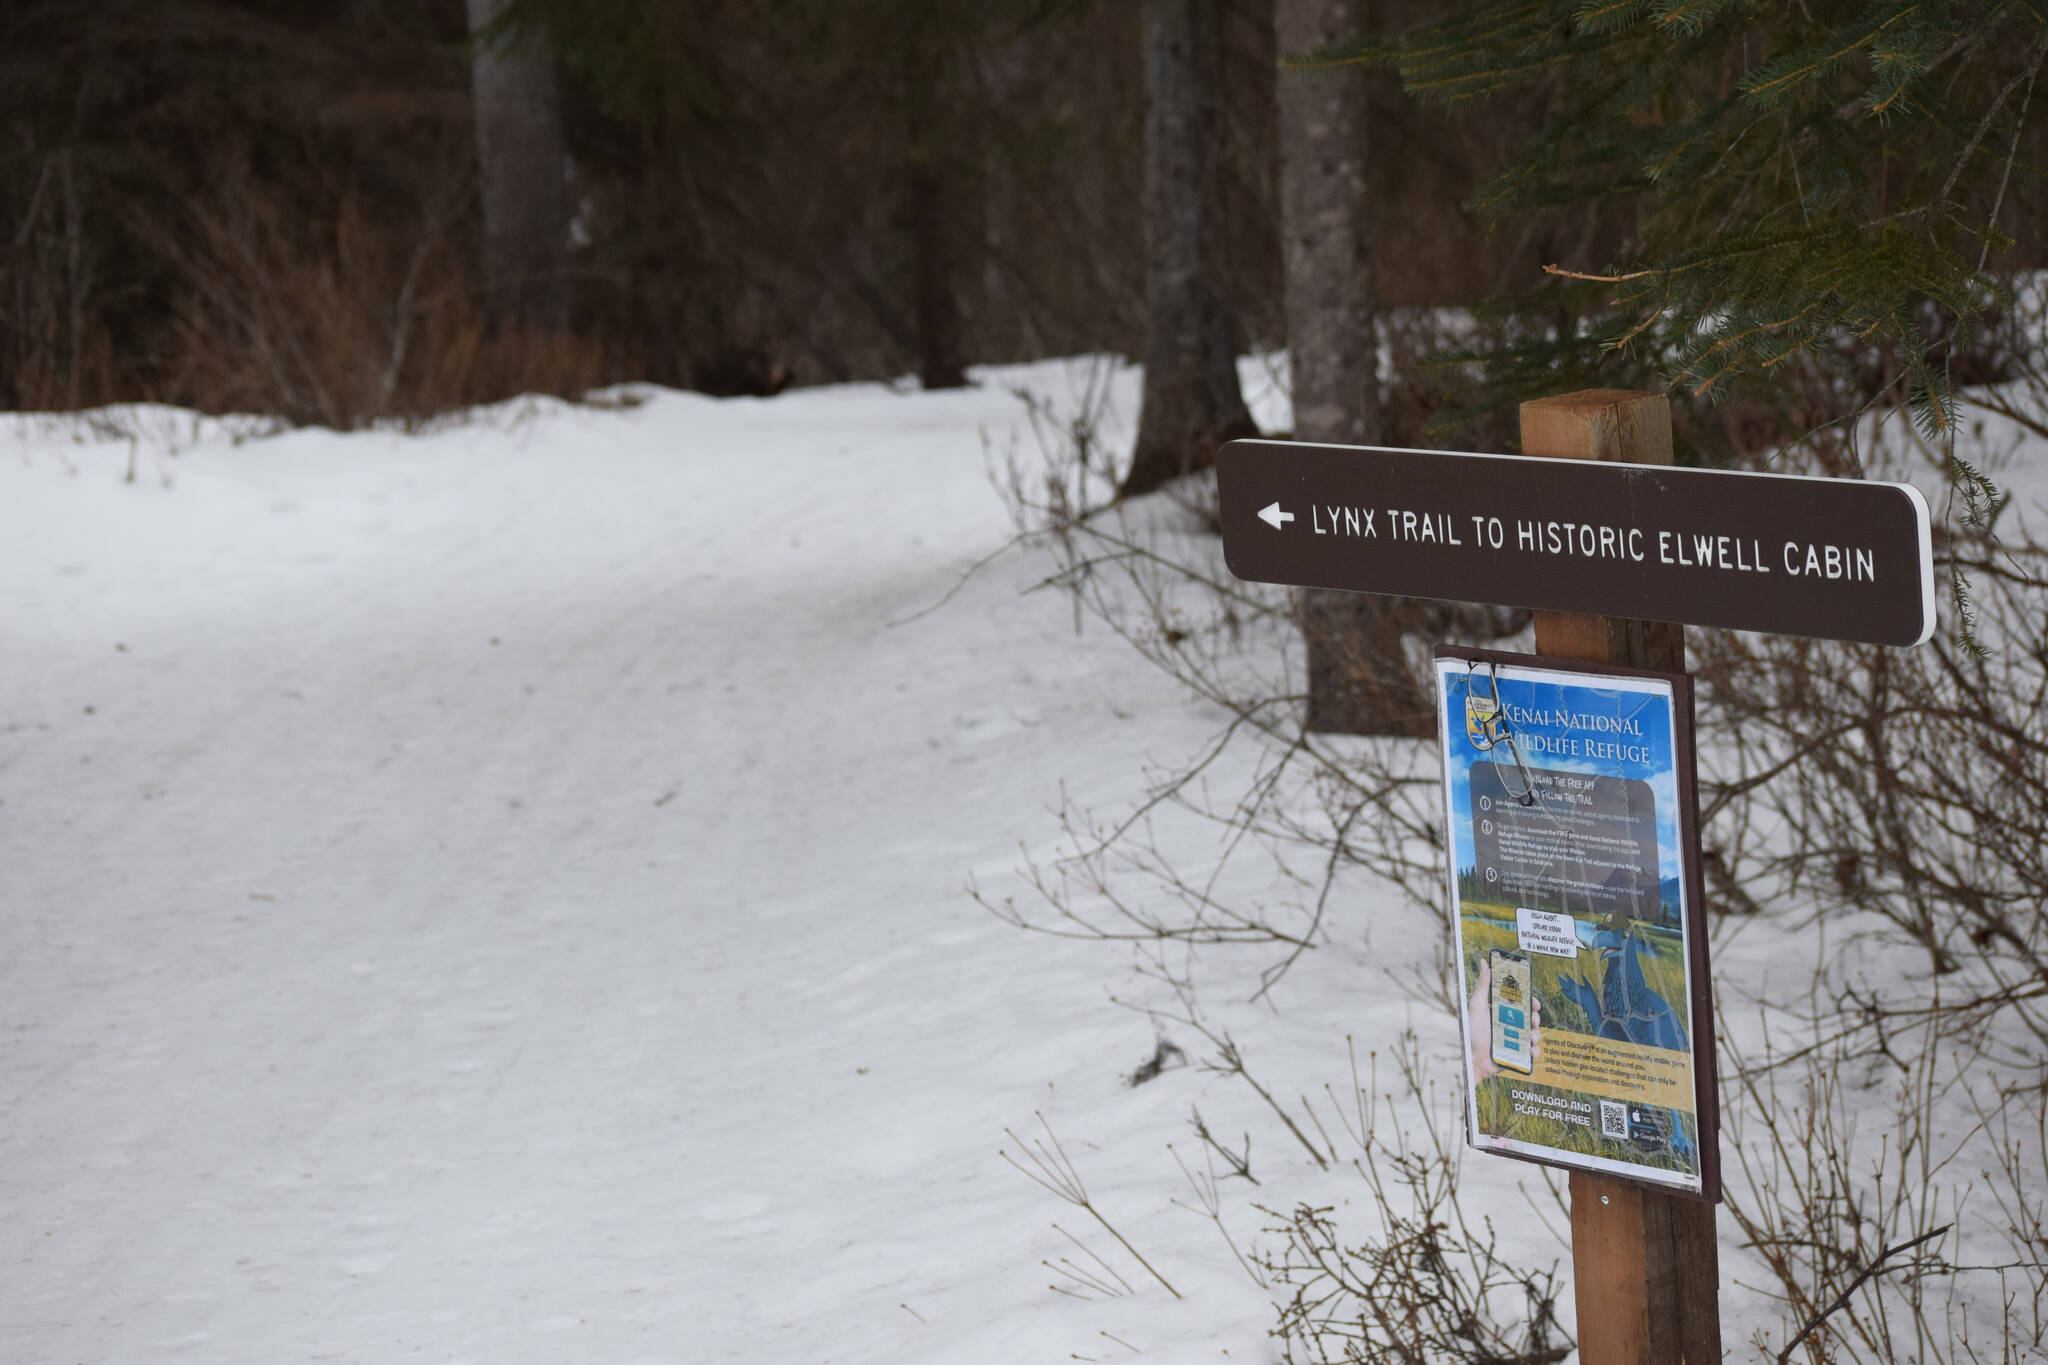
(1289, 812)
(1866, 1236)
(1047, 1165)
(1431, 1283)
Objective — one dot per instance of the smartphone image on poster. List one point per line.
(1509, 1002)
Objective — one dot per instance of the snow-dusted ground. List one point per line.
(499, 895)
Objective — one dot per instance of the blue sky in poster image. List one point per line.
(1541, 710)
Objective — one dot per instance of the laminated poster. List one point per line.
(1588, 1036)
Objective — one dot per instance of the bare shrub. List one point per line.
(1251, 842)
(1895, 800)
(1841, 1240)
(1906, 789)
(1298, 813)
(1431, 1285)
(1046, 1164)
(1910, 785)
(341, 322)
(1301, 811)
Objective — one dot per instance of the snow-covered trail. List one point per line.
(498, 896)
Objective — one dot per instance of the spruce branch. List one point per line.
(1601, 279)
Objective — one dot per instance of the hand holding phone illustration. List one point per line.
(1504, 1016)
(1511, 1012)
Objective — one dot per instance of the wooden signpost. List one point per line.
(1613, 554)
(1645, 1263)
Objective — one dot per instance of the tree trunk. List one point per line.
(939, 356)
(1324, 131)
(1192, 403)
(523, 161)
(1359, 678)
(933, 200)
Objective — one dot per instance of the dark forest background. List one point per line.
(340, 212)
(277, 206)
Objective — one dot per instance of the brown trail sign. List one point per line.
(1841, 559)
(1611, 554)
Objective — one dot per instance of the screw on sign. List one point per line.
(1613, 549)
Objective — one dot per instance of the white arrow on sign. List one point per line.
(1273, 516)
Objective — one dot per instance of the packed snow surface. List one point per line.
(500, 894)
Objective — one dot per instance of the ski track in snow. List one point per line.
(499, 895)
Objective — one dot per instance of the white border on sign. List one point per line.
(1926, 522)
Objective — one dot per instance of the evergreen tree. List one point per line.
(1824, 180)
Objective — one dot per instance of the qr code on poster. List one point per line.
(1613, 1119)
